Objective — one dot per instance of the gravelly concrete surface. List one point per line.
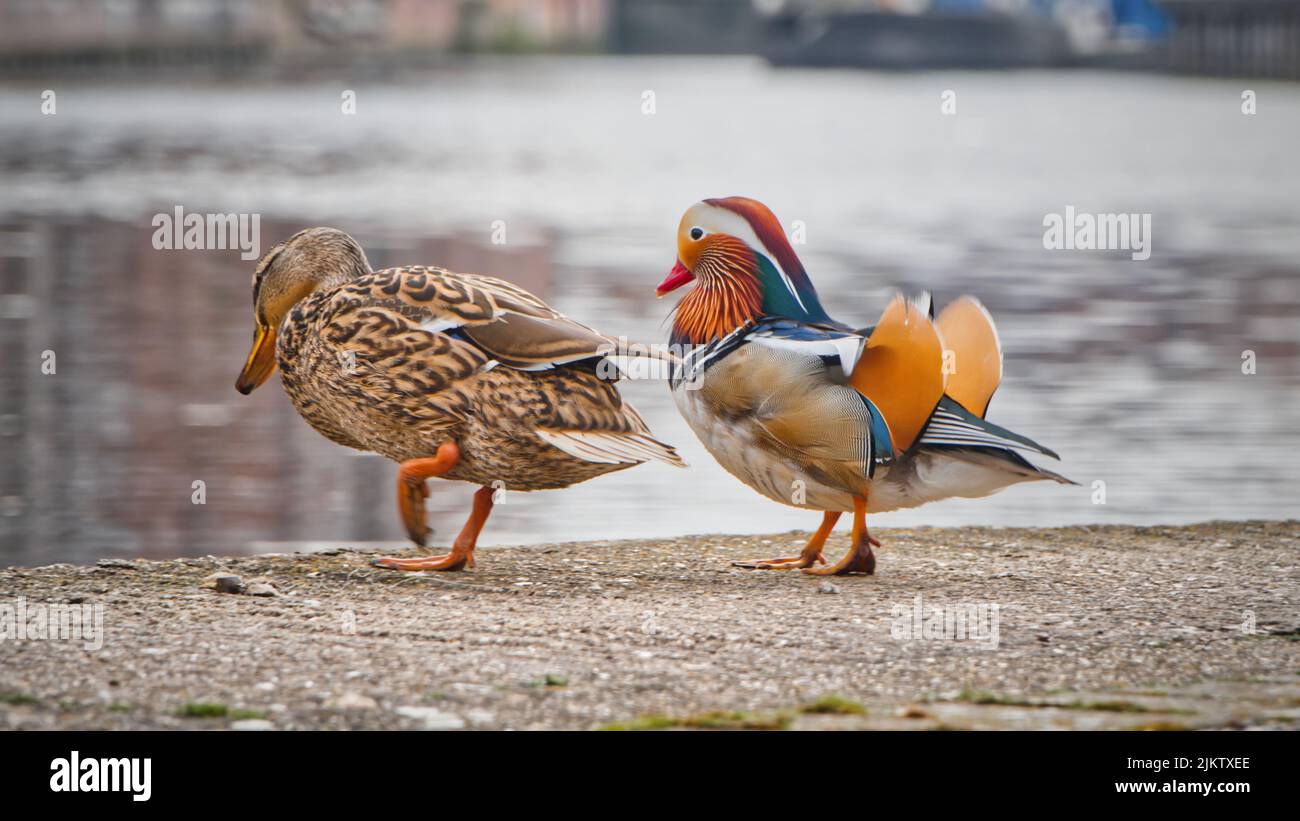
(1108, 627)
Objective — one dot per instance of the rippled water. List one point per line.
(1131, 370)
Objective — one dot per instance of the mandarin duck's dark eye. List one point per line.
(696, 233)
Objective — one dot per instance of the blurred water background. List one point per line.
(1131, 370)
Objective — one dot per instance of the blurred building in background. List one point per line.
(40, 35)
(1228, 37)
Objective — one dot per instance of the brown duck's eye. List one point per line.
(696, 233)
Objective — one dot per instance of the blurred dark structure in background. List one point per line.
(1218, 37)
(1240, 38)
(684, 27)
(972, 37)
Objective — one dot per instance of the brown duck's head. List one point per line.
(290, 272)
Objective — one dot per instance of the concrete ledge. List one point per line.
(1106, 627)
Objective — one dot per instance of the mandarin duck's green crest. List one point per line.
(735, 251)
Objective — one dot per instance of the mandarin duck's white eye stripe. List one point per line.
(714, 219)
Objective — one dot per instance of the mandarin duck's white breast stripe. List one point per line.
(845, 348)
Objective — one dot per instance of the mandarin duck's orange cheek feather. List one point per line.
(726, 296)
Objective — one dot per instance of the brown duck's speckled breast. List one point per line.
(359, 368)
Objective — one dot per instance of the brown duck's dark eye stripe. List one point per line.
(260, 274)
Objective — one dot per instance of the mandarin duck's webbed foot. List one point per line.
(860, 558)
(811, 554)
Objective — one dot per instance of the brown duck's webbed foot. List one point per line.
(462, 550)
(859, 559)
(812, 552)
(413, 490)
(455, 560)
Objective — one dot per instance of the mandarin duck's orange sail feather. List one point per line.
(975, 354)
(901, 370)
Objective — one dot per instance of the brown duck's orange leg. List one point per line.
(462, 550)
(859, 559)
(412, 489)
(812, 552)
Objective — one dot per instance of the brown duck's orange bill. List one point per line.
(261, 361)
(677, 277)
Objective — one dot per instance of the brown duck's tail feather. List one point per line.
(611, 447)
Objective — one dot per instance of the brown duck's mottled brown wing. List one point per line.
(511, 325)
(417, 331)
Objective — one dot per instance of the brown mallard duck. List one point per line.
(450, 375)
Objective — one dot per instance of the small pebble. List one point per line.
(252, 724)
(433, 718)
(225, 583)
(352, 701)
(263, 589)
(827, 587)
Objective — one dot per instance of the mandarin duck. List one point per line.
(813, 413)
(457, 376)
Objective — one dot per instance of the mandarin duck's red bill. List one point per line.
(450, 375)
(818, 414)
(677, 277)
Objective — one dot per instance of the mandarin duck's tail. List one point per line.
(932, 381)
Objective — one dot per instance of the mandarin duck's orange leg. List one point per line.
(859, 559)
(462, 550)
(812, 552)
